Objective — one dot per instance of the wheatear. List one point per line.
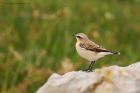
(90, 50)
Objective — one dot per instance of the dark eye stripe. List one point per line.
(78, 36)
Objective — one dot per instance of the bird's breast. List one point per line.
(86, 54)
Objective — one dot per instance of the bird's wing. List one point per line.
(93, 47)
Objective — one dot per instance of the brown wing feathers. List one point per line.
(93, 48)
(96, 48)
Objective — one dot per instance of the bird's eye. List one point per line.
(78, 36)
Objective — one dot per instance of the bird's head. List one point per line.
(81, 37)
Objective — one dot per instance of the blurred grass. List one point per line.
(37, 37)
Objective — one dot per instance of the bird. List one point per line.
(90, 51)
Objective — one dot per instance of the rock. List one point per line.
(113, 79)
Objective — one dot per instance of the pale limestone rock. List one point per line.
(113, 79)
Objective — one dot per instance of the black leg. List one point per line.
(89, 69)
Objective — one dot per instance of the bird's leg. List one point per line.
(89, 69)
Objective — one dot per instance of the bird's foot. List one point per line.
(88, 70)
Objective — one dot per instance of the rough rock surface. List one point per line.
(113, 79)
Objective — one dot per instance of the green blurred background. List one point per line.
(37, 37)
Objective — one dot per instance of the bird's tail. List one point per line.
(116, 53)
